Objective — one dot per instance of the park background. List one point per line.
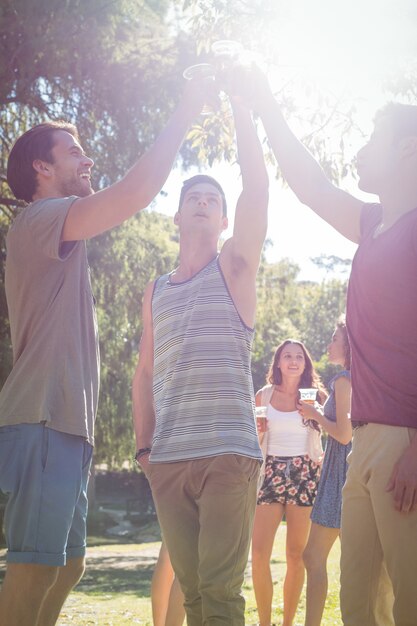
(114, 68)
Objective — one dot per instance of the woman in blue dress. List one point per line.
(325, 515)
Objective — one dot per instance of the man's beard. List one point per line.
(75, 186)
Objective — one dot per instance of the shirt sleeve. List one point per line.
(343, 373)
(45, 220)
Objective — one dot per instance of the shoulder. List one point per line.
(341, 381)
(39, 225)
(49, 205)
(266, 388)
(265, 393)
(148, 293)
(157, 284)
(43, 209)
(341, 374)
(149, 288)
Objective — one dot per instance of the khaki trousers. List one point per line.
(206, 509)
(374, 532)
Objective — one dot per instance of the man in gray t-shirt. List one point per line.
(48, 403)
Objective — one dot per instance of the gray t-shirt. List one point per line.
(55, 375)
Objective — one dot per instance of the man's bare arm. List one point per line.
(142, 393)
(302, 172)
(251, 217)
(92, 215)
(239, 257)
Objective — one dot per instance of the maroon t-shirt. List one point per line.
(382, 321)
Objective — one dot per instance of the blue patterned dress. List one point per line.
(328, 503)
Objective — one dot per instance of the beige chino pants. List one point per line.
(374, 532)
(206, 509)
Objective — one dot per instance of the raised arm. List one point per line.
(142, 393)
(240, 255)
(251, 217)
(301, 171)
(105, 209)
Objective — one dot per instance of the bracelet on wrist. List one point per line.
(141, 452)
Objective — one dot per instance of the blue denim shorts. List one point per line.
(45, 473)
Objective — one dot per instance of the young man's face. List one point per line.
(378, 159)
(202, 209)
(71, 167)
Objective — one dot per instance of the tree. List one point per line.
(288, 308)
(319, 307)
(275, 293)
(109, 67)
(332, 264)
(123, 261)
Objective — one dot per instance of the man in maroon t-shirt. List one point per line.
(379, 517)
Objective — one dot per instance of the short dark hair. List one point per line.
(401, 117)
(202, 178)
(36, 143)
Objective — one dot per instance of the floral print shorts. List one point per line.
(289, 480)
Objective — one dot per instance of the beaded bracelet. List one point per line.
(141, 452)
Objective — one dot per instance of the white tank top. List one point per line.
(287, 435)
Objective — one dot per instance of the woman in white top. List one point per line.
(291, 476)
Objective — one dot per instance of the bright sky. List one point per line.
(347, 49)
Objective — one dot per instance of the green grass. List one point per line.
(115, 590)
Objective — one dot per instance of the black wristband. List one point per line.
(141, 452)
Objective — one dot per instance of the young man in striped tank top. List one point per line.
(192, 390)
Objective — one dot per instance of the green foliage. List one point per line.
(331, 263)
(112, 68)
(300, 310)
(258, 24)
(122, 262)
(275, 292)
(213, 138)
(318, 308)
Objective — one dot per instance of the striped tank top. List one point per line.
(202, 385)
